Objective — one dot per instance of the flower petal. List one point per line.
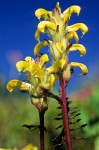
(72, 35)
(51, 81)
(29, 59)
(17, 83)
(57, 8)
(33, 68)
(56, 66)
(79, 47)
(46, 24)
(44, 58)
(38, 46)
(68, 12)
(22, 65)
(60, 47)
(42, 13)
(67, 73)
(37, 35)
(82, 67)
(37, 72)
(78, 26)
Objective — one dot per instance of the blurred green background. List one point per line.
(16, 109)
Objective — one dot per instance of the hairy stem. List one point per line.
(41, 116)
(65, 113)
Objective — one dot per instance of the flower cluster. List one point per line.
(40, 77)
(55, 24)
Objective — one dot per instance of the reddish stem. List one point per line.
(65, 113)
(41, 116)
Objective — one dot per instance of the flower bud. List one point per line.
(67, 73)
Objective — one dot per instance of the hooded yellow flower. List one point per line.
(17, 83)
(67, 71)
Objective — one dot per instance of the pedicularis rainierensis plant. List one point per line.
(39, 78)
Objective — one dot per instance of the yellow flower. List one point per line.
(46, 24)
(78, 26)
(68, 12)
(79, 47)
(29, 59)
(37, 35)
(30, 147)
(71, 35)
(60, 47)
(44, 58)
(81, 66)
(67, 71)
(17, 83)
(57, 66)
(50, 81)
(42, 13)
(38, 46)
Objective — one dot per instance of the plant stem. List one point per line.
(41, 116)
(65, 113)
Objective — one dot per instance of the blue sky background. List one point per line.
(18, 25)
